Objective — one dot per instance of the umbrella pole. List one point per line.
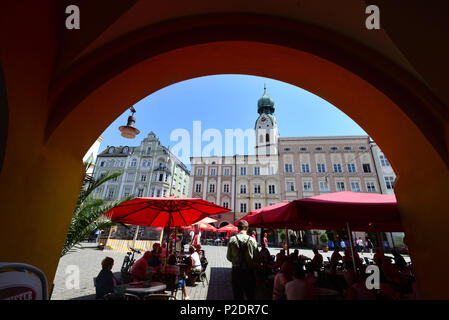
(288, 244)
(352, 246)
(381, 243)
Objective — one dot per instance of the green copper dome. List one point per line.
(265, 104)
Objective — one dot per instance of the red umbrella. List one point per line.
(363, 211)
(163, 212)
(207, 227)
(278, 216)
(229, 228)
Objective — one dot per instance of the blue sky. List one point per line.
(230, 102)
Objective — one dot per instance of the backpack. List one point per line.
(243, 249)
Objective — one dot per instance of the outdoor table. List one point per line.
(141, 289)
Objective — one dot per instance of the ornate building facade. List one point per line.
(148, 170)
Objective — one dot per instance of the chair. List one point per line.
(202, 276)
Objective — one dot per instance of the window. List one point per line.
(243, 207)
(337, 168)
(130, 177)
(257, 205)
(213, 171)
(198, 187)
(257, 188)
(290, 186)
(164, 193)
(126, 192)
(287, 149)
(389, 181)
(148, 150)
(199, 171)
(366, 168)
(140, 193)
(321, 167)
(355, 187)
(303, 149)
(143, 178)
(212, 187)
(324, 187)
(305, 168)
(133, 162)
(319, 148)
(257, 171)
(370, 186)
(351, 167)
(348, 148)
(307, 186)
(271, 170)
(144, 163)
(226, 188)
(362, 148)
(111, 150)
(267, 137)
(288, 168)
(271, 189)
(243, 171)
(243, 188)
(383, 161)
(161, 177)
(102, 164)
(334, 148)
(125, 150)
(152, 192)
(340, 186)
(226, 205)
(110, 193)
(227, 172)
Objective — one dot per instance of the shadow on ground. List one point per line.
(220, 286)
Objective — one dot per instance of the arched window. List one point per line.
(267, 137)
(261, 138)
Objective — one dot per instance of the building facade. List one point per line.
(242, 183)
(385, 171)
(90, 157)
(316, 165)
(148, 170)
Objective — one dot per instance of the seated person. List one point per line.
(173, 269)
(163, 251)
(194, 268)
(155, 261)
(317, 262)
(399, 261)
(140, 270)
(294, 256)
(280, 258)
(282, 278)
(299, 288)
(264, 255)
(105, 281)
(335, 259)
(203, 260)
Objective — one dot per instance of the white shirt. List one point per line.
(296, 290)
(196, 261)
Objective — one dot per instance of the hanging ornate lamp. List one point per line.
(129, 131)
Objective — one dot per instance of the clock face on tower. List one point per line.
(263, 119)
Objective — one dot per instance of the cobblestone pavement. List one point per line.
(88, 259)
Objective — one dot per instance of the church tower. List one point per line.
(266, 128)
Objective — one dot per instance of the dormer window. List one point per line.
(125, 150)
(111, 150)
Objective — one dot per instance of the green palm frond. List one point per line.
(88, 216)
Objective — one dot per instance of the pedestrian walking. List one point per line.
(243, 254)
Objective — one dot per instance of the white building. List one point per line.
(148, 170)
(384, 170)
(90, 157)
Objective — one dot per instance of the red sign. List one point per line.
(17, 293)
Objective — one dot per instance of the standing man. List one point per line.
(243, 253)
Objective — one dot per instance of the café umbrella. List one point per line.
(164, 212)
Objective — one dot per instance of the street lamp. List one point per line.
(129, 131)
